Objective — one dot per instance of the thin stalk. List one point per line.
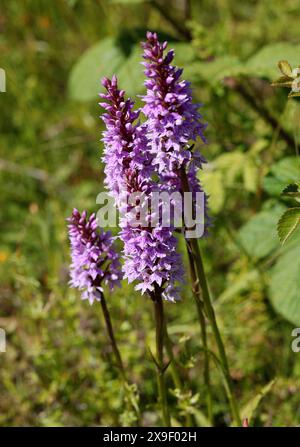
(201, 317)
(175, 374)
(160, 332)
(209, 310)
(117, 354)
(212, 318)
(112, 338)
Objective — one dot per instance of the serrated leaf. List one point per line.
(288, 224)
(285, 68)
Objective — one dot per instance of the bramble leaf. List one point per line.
(288, 223)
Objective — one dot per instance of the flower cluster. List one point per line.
(173, 120)
(94, 260)
(125, 143)
(143, 159)
(150, 254)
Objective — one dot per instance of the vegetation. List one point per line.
(58, 368)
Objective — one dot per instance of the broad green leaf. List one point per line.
(264, 62)
(258, 236)
(130, 75)
(216, 70)
(285, 283)
(103, 59)
(282, 173)
(288, 224)
(249, 409)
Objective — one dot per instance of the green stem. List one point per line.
(160, 332)
(212, 318)
(112, 338)
(174, 372)
(201, 317)
(209, 310)
(117, 354)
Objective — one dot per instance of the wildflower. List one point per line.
(125, 144)
(151, 256)
(94, 260)
(150, 253)
(173, 120)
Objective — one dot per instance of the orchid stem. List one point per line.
(210, 313)
(160, 333)
(117, 355)
(174, 372)
(201, 317)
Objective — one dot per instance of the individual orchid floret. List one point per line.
(95, 261)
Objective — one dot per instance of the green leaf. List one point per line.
(213, 183)
(130, 75)
(288, 224)
(292, 190)
(103, 59)
(264, 62)
(285, 68)
(250, 175)
(249, 409)
(285, 283)
(258, 236)
(282, 173)
(214, 71)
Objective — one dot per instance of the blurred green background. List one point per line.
(57, 369)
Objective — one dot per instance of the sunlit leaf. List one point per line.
(288, 224)
(285, 282)
(258, 236)
(103, 59)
